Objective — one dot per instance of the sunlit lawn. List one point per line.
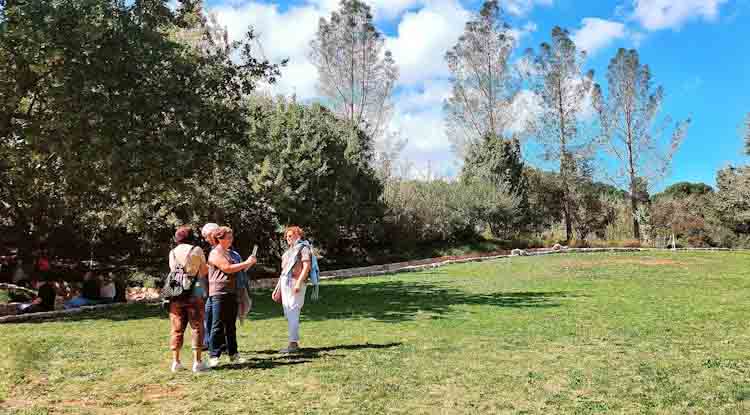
(588, 333)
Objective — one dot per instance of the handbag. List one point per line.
(177, 283)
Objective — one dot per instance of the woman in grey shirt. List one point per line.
(222, 291)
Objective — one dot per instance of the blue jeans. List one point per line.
(80, 302)
(223, 324)
(207, 325)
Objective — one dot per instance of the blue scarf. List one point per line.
(313, 276)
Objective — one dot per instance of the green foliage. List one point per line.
(733, 198)
(315, 171)
(98, 101)
(683, 189)
(498, 162)
(440, 210)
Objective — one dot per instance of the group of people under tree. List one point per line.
(36, 286)
(219, 295)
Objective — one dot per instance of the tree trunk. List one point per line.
(634, 206)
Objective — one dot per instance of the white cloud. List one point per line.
(424, 37)
(418, 116)
(598, 33)
(431, 94)
(672, 14)
(282, 35)
(381, 9)
(525, 30)
(521, 7)
(526, 107)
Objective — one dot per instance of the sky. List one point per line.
(696, 50)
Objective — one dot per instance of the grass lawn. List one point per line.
(590, 333)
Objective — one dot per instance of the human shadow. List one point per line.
(397, 301)
(314, 352)
(303, 355)
(261, 364)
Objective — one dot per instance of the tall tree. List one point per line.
(562, 88)
(747, 134)
(628, 121)
(103, 98)
(356, 76)
(484, 83)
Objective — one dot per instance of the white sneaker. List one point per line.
(177, 366)
(213, 362)
(236, 358)
(199, 367)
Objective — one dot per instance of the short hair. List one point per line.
(207, 232)
(221, 232)
(295, 230)
(182, 234)
(208, 228)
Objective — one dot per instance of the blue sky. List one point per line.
(696, 50)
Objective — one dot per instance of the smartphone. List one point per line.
(255, 250)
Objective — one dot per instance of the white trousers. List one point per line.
(292, 306)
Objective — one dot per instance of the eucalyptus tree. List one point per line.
(356, 76)
(628, 118)
(484, 83)
(562, 88)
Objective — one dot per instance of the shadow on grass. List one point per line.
(396, 301)
(387, 301)
(304, 355)
(125, 312)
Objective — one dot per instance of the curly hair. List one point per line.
(221, 232)
(294, 229)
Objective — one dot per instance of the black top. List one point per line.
(47, 294)
(90, 290)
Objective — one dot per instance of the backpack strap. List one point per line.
(187, 258)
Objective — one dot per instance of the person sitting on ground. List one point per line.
(107, 290)
(90, 292)
(19, 275)
(42, 264)
(44, 300)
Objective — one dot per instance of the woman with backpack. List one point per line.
(188, 307)
(292, 285)
(222, 289)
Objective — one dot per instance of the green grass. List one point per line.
(580, 334)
